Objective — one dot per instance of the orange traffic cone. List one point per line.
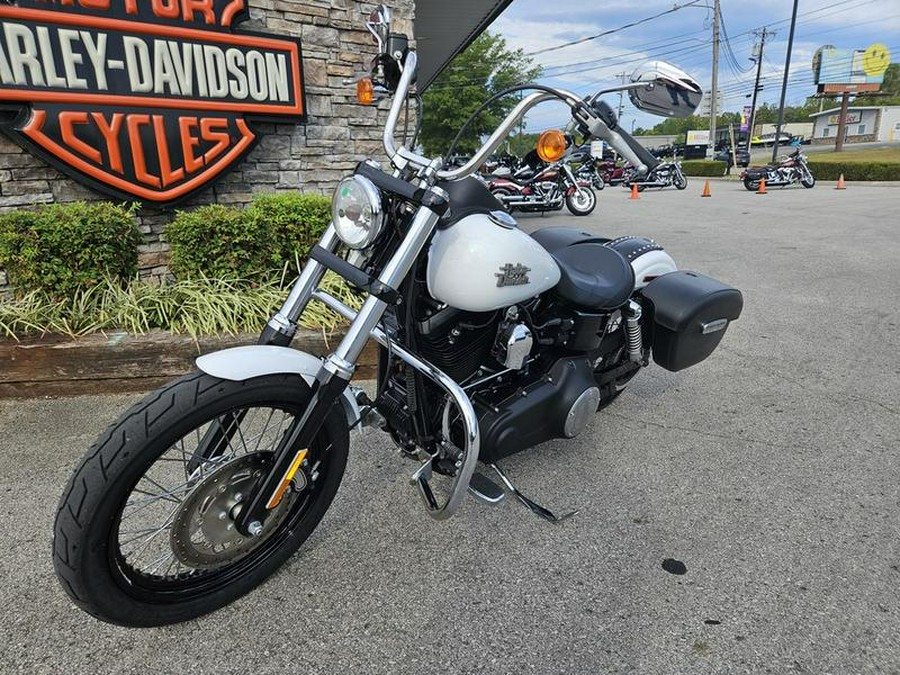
(634, 192)
(840, 183)
(762, 187)
(706, 190)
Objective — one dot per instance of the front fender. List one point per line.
(242, 363)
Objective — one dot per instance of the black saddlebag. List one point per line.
(757, 172)
(690, 314)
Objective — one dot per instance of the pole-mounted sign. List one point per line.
(143, 99)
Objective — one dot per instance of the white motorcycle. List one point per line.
(493, 341)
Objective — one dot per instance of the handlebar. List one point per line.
(597, 128)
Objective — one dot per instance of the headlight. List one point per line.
(356, 211)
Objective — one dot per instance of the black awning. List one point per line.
(443, 28)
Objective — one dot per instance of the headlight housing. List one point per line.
(356, 211)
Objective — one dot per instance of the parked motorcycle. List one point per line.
(546, 189)
(793, 169)
(662, 175)
(610, 172)
(501, 165)
(586, 171)
(493, 341)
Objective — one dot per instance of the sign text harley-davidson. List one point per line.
(146, 99)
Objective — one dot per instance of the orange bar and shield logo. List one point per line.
(143, 99)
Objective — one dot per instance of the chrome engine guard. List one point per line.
(458, 396)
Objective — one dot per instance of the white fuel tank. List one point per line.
(479, 264)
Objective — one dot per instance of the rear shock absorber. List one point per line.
(634, 341)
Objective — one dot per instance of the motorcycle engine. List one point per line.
(456, 341)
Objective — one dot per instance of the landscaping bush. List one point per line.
(250, 243)
(219, 242)
(64, 249)
(703, 167)
(874, 171)
(296, 221)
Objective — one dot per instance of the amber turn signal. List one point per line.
(551, 145)
(365, 91)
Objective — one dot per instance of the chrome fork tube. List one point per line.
(284, 321)
(342, 362)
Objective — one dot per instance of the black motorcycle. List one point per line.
(588, 166)
(662, 175)
(492, 341)
(793, 169)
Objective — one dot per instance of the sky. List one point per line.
(684, 38)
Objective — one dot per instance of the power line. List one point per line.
(613, 30)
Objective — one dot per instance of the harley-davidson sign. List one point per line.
(146, 99)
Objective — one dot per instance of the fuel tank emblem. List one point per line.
(512, 275)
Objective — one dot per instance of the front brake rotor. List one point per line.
(203, 534)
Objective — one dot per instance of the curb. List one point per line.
(56, 365)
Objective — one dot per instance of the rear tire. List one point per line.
(500, 193)
(751, 184)
(92, 546)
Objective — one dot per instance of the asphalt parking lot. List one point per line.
(770, 471)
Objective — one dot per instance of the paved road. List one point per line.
(770, 471)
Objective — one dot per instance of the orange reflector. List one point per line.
(275, 499)
(365, 91)
(551, 145)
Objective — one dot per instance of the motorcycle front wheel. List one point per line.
(679, 181)
(581, 202)
(808, 181)
(144, 533)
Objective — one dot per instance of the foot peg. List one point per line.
(535, 508)
(483, 488)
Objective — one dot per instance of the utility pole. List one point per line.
(784, 81)
(715, 78)
(759, 57)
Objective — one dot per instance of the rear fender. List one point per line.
(243, 363)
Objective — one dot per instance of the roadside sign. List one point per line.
(745, 117)
(697, 137)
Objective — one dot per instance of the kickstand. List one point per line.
(535, 508)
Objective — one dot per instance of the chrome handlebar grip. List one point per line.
(625, 150)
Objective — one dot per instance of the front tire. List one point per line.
(140, 538)
(808, 180)
(581, 202)
(679, 181)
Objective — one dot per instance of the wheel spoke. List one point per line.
(173, 524)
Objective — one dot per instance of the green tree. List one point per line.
(486, 67)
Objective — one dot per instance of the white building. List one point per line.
(865, 124)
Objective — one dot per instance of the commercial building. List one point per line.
(864, 124)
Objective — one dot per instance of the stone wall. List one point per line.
(850, 140)
(309, 157)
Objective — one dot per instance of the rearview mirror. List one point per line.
(668, 91)
(379, 25)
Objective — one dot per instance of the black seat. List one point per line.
(593, 276)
